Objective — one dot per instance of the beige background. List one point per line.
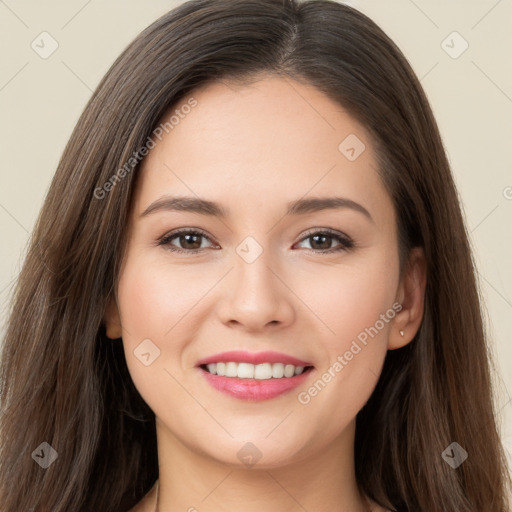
(41, 100)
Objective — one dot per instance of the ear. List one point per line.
(112, 320)
(411, 295)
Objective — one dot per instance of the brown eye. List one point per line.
(189, 240)
(320, 241)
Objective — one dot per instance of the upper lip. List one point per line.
(239, 356)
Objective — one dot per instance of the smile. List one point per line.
(262, 371)
(254, 376)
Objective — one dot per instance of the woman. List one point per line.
(319, 346)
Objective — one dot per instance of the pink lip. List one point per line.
(239, 356)
(252, 389)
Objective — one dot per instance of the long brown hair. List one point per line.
(65, 383)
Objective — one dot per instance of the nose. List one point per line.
(255, 296)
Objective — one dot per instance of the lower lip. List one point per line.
(253, 389)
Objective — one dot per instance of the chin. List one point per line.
(256, 453)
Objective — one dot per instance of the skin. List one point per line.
(254, 148)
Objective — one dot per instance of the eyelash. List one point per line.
(346, 243)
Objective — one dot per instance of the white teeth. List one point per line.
(221, 369)
(245, 371)
(278, 370)
(262, 371)
(231, 369)
(289, 370)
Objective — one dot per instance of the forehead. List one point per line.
(273, 139)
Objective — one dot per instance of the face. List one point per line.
(313, 287)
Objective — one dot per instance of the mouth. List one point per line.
(254, 376)
(263, 371)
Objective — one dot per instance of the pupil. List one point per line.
(187, 237)
(322, 237)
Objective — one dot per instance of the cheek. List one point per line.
(160, 307)
(150, 305)
(155, 299)
(349, 300)
(357, 309)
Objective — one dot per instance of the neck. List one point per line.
(191, 481)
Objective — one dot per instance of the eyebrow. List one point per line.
(211, 208)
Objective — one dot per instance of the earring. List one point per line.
(401, 333)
